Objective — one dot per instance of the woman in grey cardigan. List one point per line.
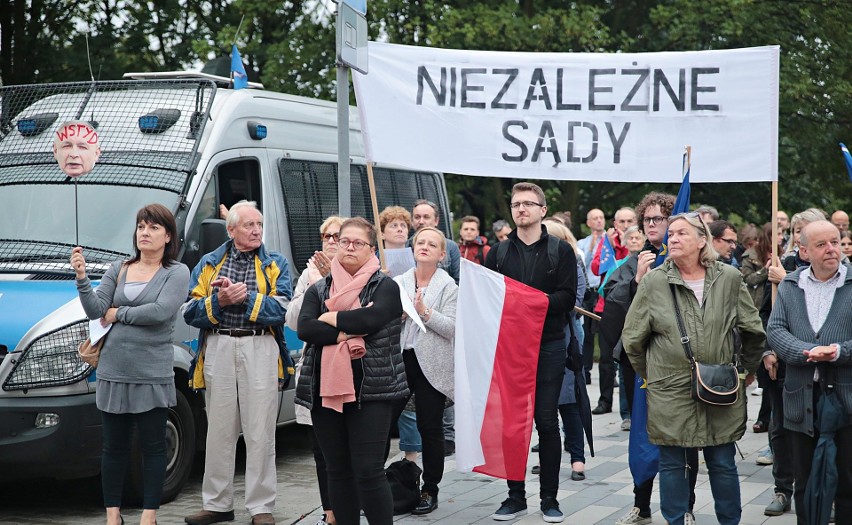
(139, 298)
(428, 355)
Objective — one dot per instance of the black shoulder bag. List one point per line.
(712, 384)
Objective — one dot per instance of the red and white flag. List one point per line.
(498, 334)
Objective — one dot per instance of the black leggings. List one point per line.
(118, 435)
(322, 475)
(429, 404)
(353, 444)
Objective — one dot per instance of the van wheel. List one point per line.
(180, 453)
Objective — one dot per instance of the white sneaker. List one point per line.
(688, 519)
(757, 391)
(633, 518)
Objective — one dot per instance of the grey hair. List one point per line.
(803, 236)
(708, 209)
(234, 212)
(804, 218)
(499, 224)
(707, 255)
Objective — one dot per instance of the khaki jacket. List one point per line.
(652, 341)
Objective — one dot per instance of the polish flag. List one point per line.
(498, 334)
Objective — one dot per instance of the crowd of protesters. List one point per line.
(655, 310)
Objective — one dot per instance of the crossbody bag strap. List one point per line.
(684, 338)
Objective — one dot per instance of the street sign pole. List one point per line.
(351, 47)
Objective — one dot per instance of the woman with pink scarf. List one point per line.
(353, 373)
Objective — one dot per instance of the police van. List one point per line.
(190, 144)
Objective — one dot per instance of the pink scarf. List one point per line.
(336, 380)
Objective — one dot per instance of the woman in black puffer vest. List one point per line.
(353, 373)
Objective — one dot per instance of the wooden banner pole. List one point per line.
(379, 240)
(775, 260)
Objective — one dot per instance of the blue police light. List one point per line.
(36, 124)
(158, 120)
(256, 130)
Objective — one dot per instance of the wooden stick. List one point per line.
(587, 313)
(379, 240)
(774, 235)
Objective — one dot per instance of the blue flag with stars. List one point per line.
(238, 71)
(607, 256)
(848, 158)
(681, 205)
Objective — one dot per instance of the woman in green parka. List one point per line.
(713, 302)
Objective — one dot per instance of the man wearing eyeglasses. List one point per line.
(724, 241)
(526, 259)
(238, 297)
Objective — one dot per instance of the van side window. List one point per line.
(310, 195)
(231, 183)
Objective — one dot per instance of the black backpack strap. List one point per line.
(502, 250)
(479, 252)
(553, 253)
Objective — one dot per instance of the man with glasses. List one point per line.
(724, 241)
(525, 257)
(652, 213)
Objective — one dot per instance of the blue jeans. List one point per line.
(575, 440)
(724, 483)
(549, 373)
(409, 437)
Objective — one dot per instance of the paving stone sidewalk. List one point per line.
(465, 498)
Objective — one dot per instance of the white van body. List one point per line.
(49, 425)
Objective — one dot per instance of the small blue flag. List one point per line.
(848, 158)
(607, 256)
(642, 455)
(681, 205)
(238, 71)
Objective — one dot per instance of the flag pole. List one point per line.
(774, 219)
(379, 239)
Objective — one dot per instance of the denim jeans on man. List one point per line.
(550, 370)
(724, 483)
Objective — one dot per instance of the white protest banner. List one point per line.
(573, 116)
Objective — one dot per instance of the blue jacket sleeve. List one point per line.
(202, 309)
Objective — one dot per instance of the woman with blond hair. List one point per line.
(709, 300)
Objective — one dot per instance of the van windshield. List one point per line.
(37, 219)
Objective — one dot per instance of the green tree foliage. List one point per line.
(289, 46)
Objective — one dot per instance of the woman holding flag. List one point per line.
(712, 300)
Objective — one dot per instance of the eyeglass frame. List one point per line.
(526, 205)
(327, 236)
(345, 242)
(655, 220)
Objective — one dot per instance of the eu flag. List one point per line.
(238, 71)
(848, 158)
(607, 256)
(681, 205)
(642, 456)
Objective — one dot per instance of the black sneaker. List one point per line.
(550, 511)
(427, 504)
(510, 509)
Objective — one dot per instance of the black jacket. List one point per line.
(380, 374)
(619, 291)
(560, 283)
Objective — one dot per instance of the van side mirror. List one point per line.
(213, 234)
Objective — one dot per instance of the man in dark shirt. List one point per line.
(527, 260)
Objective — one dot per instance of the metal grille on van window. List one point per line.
(120, 112)
(51, 258)
(310, 196)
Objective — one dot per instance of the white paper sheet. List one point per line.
(399, 261)
(96, 331)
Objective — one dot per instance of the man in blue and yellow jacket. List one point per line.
(238, 296)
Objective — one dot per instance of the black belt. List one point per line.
(240, 332)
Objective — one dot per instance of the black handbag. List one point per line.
(712, 384)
